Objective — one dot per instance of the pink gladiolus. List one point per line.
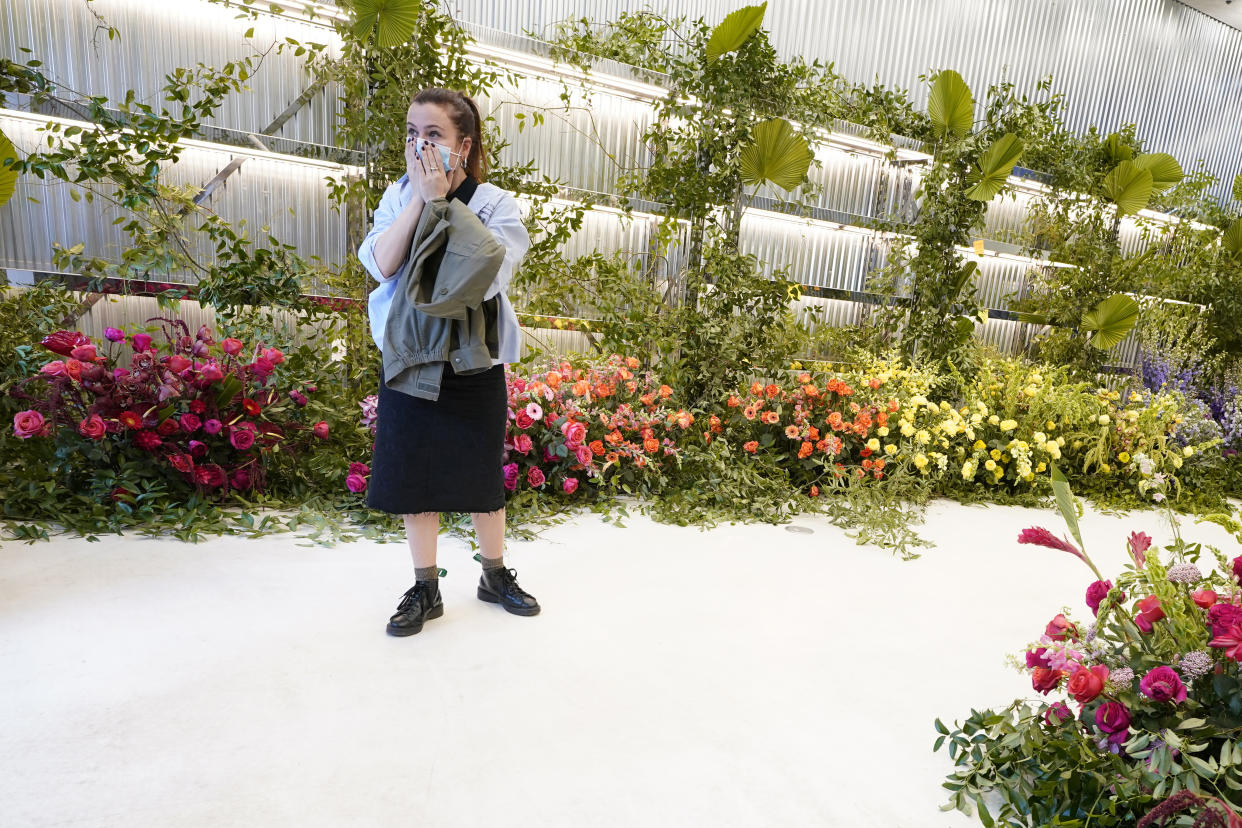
(1139, 543)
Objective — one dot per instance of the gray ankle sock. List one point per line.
(492, 563)
(427, 573)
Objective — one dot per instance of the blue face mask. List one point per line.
(445, 153)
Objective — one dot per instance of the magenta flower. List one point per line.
(28, 423)
(1163, 684)
(1223, 616)
(1237, 568)
(1113, 718)
(359, 468)
(190, 423)
(1230, 641)
(570, 485)
(240, 479)
(1058, 714)
(1036, 658)
(1040, 536)
(1139, 543)
(140, 342)
(242, 436)
(197, 448)
(511, 476)
(114, 334)
(1096, 594)
(356, 483)
(213, 426)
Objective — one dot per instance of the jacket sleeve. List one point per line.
(506, 225)
(389, 208)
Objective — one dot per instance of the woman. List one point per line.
(445, 454)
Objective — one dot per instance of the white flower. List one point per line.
(534, 411)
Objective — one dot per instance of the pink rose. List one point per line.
(1059, 628)
(1163, 684)
(321, 430)
(523, 420)
(1205, 598)
(575, 432)
(511, 476)
(92, 427)
(1086, 684)
(356, 483)
(212, 373)
(359, 468)
(570, 485)
(274, 356)
(190, 423)
(213, 426)
(231, 346)
(242, 436)
(583, 453)
(55, 368)
(28, 423)
(534, 476)
(523, 443)
(140, 342)
(85, 353)
(1045, 679)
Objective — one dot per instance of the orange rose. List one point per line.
(631, 362)
(734, 402)
(751, 446)
(812, 433)
(665, 391)
(756, 388)
(597, 448)
(553, 379)
(581, 388)
(651, 446)
(805, 450)
(772, 391)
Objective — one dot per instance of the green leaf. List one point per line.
(8, 176)
(776, 154)
(1065, 504)
(1033, 318)
(1232, 239)
(228, 389)
(734, 30)
(1237, 187)
(395, 20)
(1164, 169)
(995, 166)
(1191, 724)
(951, 107)
(1111, 320)
(1129, 186)
(963, 276)
(1117, 151)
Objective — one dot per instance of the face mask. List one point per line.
(445, 153)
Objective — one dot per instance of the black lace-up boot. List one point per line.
(420, 602)
(498, 585)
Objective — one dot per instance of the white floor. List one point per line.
(744, 676)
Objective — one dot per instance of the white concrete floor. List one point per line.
(743, 676)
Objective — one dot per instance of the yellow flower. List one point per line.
(907, 430)
(990, 465)
(1186, 452)
(1177, 462)
(890, 449)
(920, 461)
(994, 420)
(1008, 425)
(882, 431)
(1104, 467)
(944, 406)
(1050, 425)
(995, 454)
(922, 437)
(1123, 457)
(873, 444)
(1041, 467)
(1040, 437)
(1104, 419)
(1054, 451)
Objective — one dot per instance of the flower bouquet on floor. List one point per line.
(1144, 697)
(191, 416)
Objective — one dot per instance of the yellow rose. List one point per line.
(995, 454)
(1041, 467)
(1008, 425)
(882, 431)
(920, 461)
(1040, 437)
(890, 449)
(994, 420)
(990, 465)
(873, 444)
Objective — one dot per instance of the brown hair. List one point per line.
(465, 116)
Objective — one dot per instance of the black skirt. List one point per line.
(444, 455)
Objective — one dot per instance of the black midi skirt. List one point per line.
(444, 455)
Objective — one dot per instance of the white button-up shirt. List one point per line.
(499, 212)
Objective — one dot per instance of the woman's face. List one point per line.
(431, 122)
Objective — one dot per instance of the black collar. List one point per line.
(465, 190)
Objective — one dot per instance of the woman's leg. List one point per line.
(421, 531)
(489, 528)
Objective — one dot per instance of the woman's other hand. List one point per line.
(426, 172)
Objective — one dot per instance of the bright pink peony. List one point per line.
(1237, 568)
(213, 426)
(28, 423)
(1113, 718)
(359, 468)
(1096, 594)
(1163, 684)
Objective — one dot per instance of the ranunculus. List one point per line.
(1058, 713)
(1036, 657)
(1045, 679)
(168, 427)
(147, 440)
(1112, 717)
(359, 468)
(190, 423)
(1204, 598)
(321, 430)
(575, 432)
(114, 334)
(197, 448)
(511, 476)
(27, 423)
(1223, 616)
(212, 373)
(523, 420)
(356, 483)
(231, 346)
(1060, 627)
(55, 368)
(140, 342)
(181, 462)
(242, 436)
(583, 453)
(523, 443)
(1096, 594)
(1085, 684)
(1163, 684)
(534, 476)
(213, 426)
(92, 427)
(570, 485)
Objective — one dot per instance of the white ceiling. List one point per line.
(1229, 13)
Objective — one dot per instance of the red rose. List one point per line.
(147, 440)
(534, 476)
(63, 342)
(92, 427)
(169, 426)
(198, 406)
(177, 363)
(181, 462)
(190, 423)
(231, 346)
(1112, 717)
(321, 430)
(1060, 627)
(1045, 679)
(274, 356)
(523, 420)
(1205, 598)
(1084, 685)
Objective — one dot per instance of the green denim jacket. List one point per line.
(442, 320)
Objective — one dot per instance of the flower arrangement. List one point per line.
(207, 415)
(1152, 688)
